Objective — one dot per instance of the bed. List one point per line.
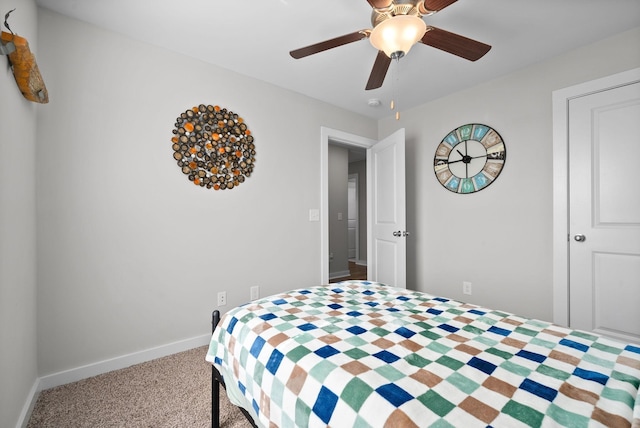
(363, 354)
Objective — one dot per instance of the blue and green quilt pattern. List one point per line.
(362, 354)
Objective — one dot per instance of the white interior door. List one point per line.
(604, 212)
(387, 250)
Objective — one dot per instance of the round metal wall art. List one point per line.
(214, 147)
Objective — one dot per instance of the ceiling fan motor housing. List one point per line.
(399, 7)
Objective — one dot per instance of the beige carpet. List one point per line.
(173, 391)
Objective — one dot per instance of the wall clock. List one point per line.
(469, 158)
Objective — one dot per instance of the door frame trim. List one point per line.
(560, 111)
(332, 135)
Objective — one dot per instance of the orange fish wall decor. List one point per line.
(25, 69)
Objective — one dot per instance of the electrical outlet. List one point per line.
(222, 298)
(255, 292)
(466, 287)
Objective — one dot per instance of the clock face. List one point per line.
(469, 158)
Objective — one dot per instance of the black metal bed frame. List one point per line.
(216, 381)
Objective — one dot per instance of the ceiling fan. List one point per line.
(398, 25)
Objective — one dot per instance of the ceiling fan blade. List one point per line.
(379, 71)
(329, 44)
(380, 4)
(436, 5)
(455, 44)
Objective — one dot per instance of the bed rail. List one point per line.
(216, 381)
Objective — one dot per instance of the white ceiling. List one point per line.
(254, 37)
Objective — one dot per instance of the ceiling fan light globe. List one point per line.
(397, 34)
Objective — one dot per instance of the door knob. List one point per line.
(398, 233)
(580, 238)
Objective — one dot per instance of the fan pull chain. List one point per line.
(396, 72)
(393, 86)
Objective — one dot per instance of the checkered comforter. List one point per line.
(361, 354)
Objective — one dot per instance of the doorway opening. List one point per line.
(358, 145)
(347, 213)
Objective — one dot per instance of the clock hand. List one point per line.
(455, 161)
(469, 159)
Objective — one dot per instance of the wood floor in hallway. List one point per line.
(357, 271)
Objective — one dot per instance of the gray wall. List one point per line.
(131, 254)
(18, 353)
(499, 239)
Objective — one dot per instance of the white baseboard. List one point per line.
(23, 420)
(333, 275)
(94, 369)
